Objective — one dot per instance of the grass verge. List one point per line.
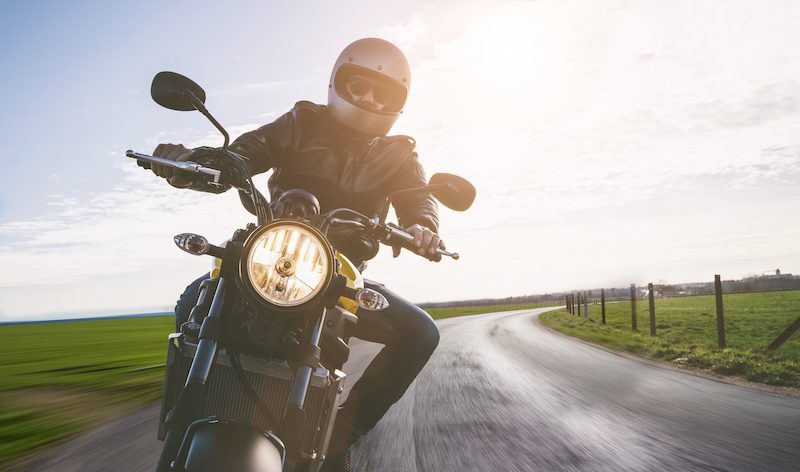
(686, 334)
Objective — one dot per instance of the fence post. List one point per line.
(603, 305)
(633, 307)
(651, 300)
(785, 335)
(720, 312)
(586, 304)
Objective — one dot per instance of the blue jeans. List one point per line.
(409, 336)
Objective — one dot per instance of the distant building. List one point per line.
(776, 276)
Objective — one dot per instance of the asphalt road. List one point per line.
(503, 393)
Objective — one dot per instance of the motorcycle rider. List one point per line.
(341, 154)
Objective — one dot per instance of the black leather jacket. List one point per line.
(308, 149)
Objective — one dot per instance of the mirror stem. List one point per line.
(202, 109)
(392, 196)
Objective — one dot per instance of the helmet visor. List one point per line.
(353, 81)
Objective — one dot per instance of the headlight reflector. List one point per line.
(287, 263)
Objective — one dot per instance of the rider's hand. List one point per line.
(426, 241)
(174, 152)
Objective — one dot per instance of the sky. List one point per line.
(611, 142)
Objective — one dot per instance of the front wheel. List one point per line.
(213, 445)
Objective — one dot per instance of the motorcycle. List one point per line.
(253, 377)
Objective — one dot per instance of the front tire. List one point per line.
(215, 446)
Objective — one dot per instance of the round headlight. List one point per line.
(287, 263)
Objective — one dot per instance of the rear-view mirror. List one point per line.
(175, 91)
(454, 192)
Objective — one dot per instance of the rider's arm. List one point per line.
(418, 209)
(266, 146)
(418, 214)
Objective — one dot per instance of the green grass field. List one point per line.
(686, 333)
(60, 378)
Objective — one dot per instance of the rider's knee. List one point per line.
(423, 332)
(187, 301)
(432, 336)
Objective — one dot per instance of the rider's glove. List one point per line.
(426, 241)
(174, 152)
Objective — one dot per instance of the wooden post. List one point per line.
(720, 312)
(603, 306)
(586, 305)
(784, 335)
(633, 307)
(651, 300)
(579, 304)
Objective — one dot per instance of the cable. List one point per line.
(249, 391)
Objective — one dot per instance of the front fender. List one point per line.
(213, 445)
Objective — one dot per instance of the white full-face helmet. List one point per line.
(381, 61)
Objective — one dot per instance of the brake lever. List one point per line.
(396, 232)
(186, 166)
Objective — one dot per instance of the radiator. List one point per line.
(271, 381)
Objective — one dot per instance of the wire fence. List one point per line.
(764, 320)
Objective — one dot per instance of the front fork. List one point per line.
(192, 400)
(191, 403)
(291, 428)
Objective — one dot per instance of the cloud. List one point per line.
(598, 130)
(629, 103)
(250, 88)
(214, 138)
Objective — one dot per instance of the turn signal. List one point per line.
(192, 243)
(371, 300)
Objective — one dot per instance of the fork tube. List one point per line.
(207, 347)
(302, 378)
(293, 422)
(192, 400)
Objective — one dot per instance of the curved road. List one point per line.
(503, 393)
